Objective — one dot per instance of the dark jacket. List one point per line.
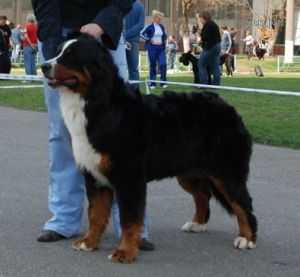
(148, 33)
(53, 15)
(2, 43)
(6, 33)
(210, 35)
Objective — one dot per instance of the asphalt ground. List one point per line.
(274, 184)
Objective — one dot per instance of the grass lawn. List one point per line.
(271, 119)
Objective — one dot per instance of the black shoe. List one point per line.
(146, 245)
(50, 236)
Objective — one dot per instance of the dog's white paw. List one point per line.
(194, 227)
(243, 243)
(81, 246)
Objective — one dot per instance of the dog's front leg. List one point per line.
(131, 200)
(100, 202)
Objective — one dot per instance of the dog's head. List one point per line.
(79, 63)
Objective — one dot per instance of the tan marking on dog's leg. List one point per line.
(98, 213)
(201, 201)
(129, 247)
(246, 238)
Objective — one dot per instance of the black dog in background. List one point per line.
(187, 58)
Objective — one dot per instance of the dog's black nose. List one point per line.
(46, 68)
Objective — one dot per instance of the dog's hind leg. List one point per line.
(100, 202)
(200, 190)
(239, 203)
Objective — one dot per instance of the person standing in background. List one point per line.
(226, 45)
(233, 34)
(233, 50)
(30, 45)
(16, 41)
(172, 49)
(155, 43)
(249, 43)
(5, 34)
(209, 60)
(134, 24)
(226, 42)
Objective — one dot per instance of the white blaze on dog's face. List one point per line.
(77, 63)
(65, 47)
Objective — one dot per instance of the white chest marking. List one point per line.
(86, 157)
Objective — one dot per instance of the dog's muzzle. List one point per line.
(49, 71)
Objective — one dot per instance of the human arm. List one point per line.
(135, 30)
(229, 43)
(109, 22)
(146, 33)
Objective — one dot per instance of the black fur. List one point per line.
(186, 59)
(227, 60)
(150, 137)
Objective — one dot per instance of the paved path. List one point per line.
(274, 183)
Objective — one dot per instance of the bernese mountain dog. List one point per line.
(126, 139)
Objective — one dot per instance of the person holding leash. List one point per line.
(59, 21)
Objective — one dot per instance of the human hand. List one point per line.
(92, 29)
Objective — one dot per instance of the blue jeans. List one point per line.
(172, 59)
(30, 60)
(133, 61)
(209, 63)
(66, 184)
(157, 54)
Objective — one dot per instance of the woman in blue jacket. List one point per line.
(155, 43)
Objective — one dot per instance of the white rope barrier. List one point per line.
(250, 90)
(29, 78)
(21, 87)
(147, 83)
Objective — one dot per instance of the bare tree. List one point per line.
(191, 7)
(186, 7)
